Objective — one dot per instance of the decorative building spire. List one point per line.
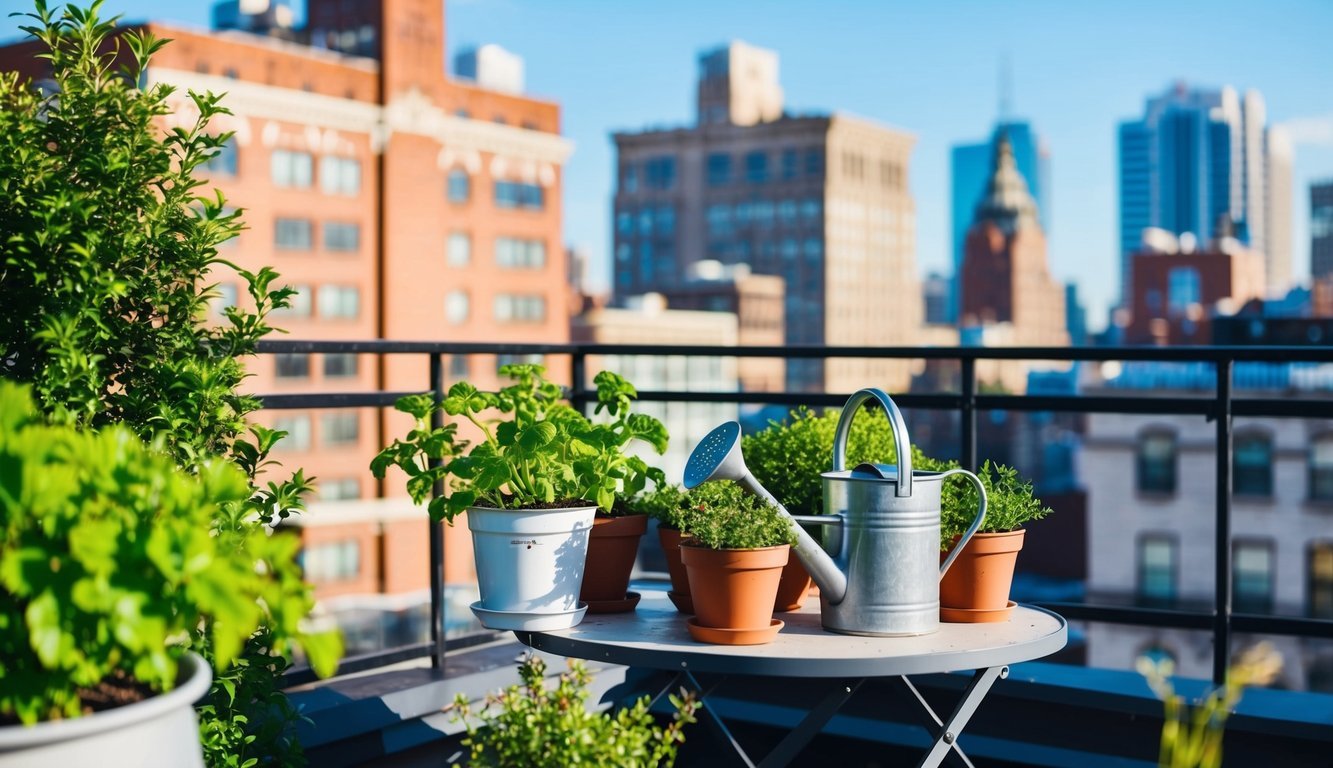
(1007, 201)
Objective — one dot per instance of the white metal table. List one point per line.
(654, 637)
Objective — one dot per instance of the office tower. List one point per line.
(936, 292)
(969, 170)
(820, 200)
(1321, 230)
(1076, 316)
(1196, 156)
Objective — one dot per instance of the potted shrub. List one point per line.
(668, 505)
(110, 557)
(539, 727)
(976, 587)
(530, 486)
(734, 555)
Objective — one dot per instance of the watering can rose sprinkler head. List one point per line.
(718, 457)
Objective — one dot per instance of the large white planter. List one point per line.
(160, 732)
(530, 564)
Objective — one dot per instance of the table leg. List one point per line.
(713, 720)
(810, 726)
(946, 738)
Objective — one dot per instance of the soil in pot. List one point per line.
(734, 588)
(612, 547)
(980, 578)
(680, 582)
(793, 586)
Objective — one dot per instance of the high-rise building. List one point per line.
(936, 292)
(1197, 156)
(1321, 229)
(970, 169)
(820, 200)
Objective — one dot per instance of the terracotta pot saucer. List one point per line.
(976, 615)
(683, 603)
(719, 636)
(624, 605)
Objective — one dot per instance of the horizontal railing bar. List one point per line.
(332, 400)
(1146, 617)
(1281, 625)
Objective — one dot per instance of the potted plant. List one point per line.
(668, 505)
(110, 557)
(530, 487)
(539, 727)
(734, 555)
(976, 587)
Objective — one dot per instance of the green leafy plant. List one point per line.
(541, 452)
(110, 245)
(667, 504)
(722, 515)
(1010, 503)
(111, 556)
(537, 726)
(1192, 735)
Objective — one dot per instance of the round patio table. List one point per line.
(655, 637)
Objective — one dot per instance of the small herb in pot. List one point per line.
(1010, 503)
(723, 516)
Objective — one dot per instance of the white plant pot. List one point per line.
(160, 732)
(530, 562)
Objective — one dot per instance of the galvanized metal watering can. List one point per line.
(881, 571)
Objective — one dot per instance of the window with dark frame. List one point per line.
(1157, 569)
(458, 188)
(1155, 465)
(340, 365)
(1321, 468)
(1319, 601)
(291, 365)
(1252, 464)
(1252, 576)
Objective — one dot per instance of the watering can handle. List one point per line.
(900, 441)
(976, 523)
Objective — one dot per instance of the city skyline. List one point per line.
(1076, 75)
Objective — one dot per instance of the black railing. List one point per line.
(1220, 407)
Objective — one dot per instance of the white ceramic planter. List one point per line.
(160, 732)
(529, 563)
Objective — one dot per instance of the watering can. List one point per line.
(880, 574)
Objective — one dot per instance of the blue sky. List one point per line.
(928, 68)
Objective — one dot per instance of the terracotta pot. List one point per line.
(980, 577)
(670, 540)
(611, 551)
(734, 588)
(792, 587)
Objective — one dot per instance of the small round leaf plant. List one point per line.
(1010, 503)
(722, 515)
(540, 451)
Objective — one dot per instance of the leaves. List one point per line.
(721, 515)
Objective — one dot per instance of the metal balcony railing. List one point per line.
(1219, 408)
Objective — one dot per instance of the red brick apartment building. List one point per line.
(402, 204)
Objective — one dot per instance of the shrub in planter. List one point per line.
(670, 506)
(976, 587)
(734, 555)
(530, 487)
(539, 727)
(110, 557)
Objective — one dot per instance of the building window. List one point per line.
(719, 220)
(341, 428)
(520, 254)
(227, 160)
(625, 223)
(1321, 580)
(298, 304)
(459, 186)
(331, 561)
(719, 169)
(1182, 288)
(1156, 464)
(503, 360)
(629, 177)
(459, 249)
(291, 169)
(646, 221)
(814, 162)
(1157, 569)
(459, 367)
(1321, 468)
(519, 194)
(456, 307)
(519, 308)
(756, 167)
(339, 175)
(787, 213)
(339, 365)
(660, 172)
(812, 209)
(790, 165)
(813, 248)
(224, 297)
(1252, 465)
(293, 234)
(341, 236)
(292, 365)
(1252, 576)
(340, 489)
(624, 251)
(666, 220)
(297, 427)
(339, 301)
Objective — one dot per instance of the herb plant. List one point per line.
(111, 556)
(110, 248)
(722, 515)
(667, 504)
(1010, 503)
(539, 727)
(541, 452)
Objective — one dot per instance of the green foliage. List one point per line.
(541, 452)
(109, 246)
(667, 504)
(1010, 503)
(722, 515)
(534, 726)
(111, 556)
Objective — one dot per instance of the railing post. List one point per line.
(578, 379)
(968, 413)
(1222, 575)
(437, 638)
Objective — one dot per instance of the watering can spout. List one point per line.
(718, 457)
